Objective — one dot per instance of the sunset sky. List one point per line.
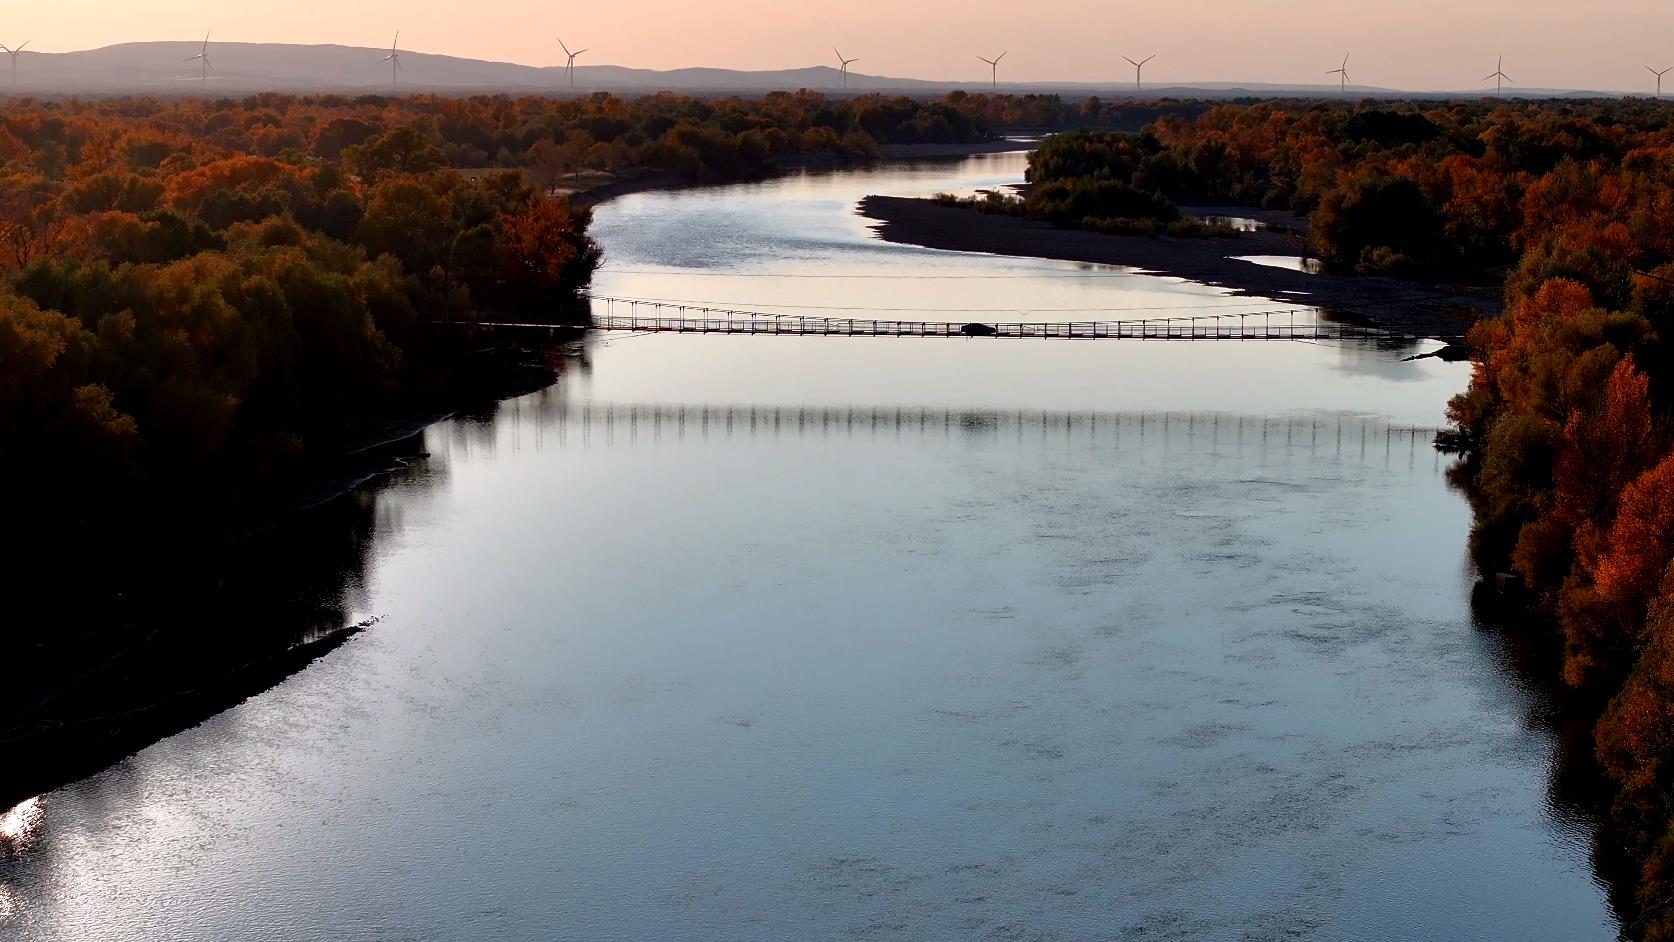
(1421, 44)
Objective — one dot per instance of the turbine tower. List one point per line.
(1139, 72)
(1342, 74)
(202, 56)
(570, 66)
(1499, 77)
(394, 60)
(14, 54)
(994, 64)
(1654, 72)
(844, 71)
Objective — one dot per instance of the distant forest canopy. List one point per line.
(1422, 190)
(190, 315)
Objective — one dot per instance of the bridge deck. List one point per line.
(1288, 325)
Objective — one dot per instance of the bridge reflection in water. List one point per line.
(609, 424)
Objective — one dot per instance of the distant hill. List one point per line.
(242, 68)
(162, 67)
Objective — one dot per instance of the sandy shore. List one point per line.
(1208, 261)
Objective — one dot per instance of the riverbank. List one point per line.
(70, 706)
(1218, 262)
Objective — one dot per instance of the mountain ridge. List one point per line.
(161, 67)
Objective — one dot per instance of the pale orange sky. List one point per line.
(1418, 44)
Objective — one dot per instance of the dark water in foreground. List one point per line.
(770, 638)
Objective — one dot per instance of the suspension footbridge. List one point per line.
(1285, 324)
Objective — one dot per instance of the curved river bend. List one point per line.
(730, 638)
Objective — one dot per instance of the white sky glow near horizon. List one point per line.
(1409, 44)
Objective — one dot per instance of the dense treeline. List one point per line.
(1095, 180)
(1434, 191)
(699, 138)
(190, 314)
(1570, 465)
(198, 298)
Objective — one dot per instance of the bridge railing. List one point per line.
(1208, 328)
(642, 316)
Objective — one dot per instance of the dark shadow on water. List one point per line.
(1578, 795)
(126, 652)
(114, 673)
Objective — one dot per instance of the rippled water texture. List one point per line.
(733, 638)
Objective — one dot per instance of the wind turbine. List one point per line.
(844, 71)
(1654, 72)
(995, 64)
(14, 54)
(202, 56)
(394, 60)
(1342, 74)
(570, 66)
(1499, 77)
(1139, 72)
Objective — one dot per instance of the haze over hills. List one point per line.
(242, 68)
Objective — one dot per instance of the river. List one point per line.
(769, 638)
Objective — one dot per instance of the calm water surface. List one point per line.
(773, 638)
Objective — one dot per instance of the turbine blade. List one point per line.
(1148, 59)
(1131, 62)
(579, 53)
(566, 49)
(1003, 55)
(25, 43)
(13, 52)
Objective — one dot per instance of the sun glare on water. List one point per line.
(19, 825)
(18, 828)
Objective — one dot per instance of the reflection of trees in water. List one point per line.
(189, 633)
(1577, 795)
(199, 625)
